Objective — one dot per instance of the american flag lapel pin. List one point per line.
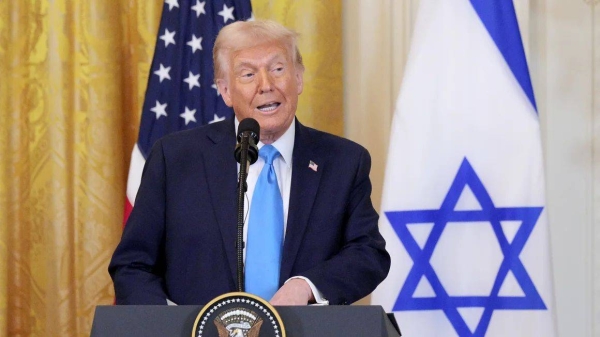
(313, 166)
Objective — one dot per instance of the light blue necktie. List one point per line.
(265, 231)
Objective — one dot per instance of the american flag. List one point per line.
(181, 93)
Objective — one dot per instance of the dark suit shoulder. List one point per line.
(332, 144)
(193, 141)
(215, 132)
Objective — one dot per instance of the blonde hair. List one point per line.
(246, 34)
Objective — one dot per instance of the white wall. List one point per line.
(562, 42)
(561, 53)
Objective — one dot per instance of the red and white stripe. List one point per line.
(133, 180)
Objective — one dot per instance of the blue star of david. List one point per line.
(421, 257)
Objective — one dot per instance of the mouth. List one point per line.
(269, 107)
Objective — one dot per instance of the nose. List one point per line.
(265, 84)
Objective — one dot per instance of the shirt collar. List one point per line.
(285, 143)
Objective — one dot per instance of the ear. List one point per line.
(300, 79)
(223, 88)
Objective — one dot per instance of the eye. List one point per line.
(246, 76)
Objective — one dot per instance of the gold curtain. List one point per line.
(319, 23)
(72, 79)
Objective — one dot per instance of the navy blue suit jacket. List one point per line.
(179, 241)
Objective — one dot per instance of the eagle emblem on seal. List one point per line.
(238, 322)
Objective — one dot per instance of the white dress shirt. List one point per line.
(283, 169)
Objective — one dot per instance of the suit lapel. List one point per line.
(221, 171)
(304, 185)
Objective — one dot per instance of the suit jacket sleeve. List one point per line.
(362, 262)
(137, 266)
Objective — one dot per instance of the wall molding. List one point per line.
(595, 227)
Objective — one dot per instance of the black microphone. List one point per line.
(248, 136)
(246, 153)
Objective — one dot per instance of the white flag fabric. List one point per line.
(463, 208)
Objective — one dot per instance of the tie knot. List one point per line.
(268, 153)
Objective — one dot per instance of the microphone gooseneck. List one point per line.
(246, 153)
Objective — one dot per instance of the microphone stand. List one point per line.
(242, 188)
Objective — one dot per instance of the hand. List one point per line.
(293, 292)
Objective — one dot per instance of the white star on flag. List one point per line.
(172, 3)
(199, 8)
(313, 166)
(168, 37)
(214, 86)
(192, 80)
(195, 43)
(217, 119)
(163, 73)
(160, 109)
(227, 13)
(189, 115)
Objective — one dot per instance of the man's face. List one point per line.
(263, 83)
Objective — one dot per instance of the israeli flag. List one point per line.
(463, 208)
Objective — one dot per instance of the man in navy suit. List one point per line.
(179, 242)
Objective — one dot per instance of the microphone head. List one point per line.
(250, 128)
(251, 125)
(252, 153)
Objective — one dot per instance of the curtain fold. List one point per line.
(73, 75)
(73, 78)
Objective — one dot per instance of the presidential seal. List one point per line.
(238, 315)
